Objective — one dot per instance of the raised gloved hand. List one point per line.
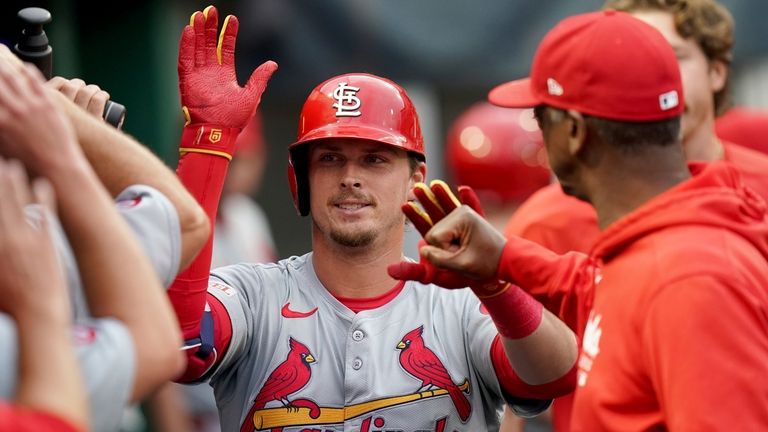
(215, 107)
(437, 202)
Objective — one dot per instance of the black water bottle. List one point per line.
(33, 47)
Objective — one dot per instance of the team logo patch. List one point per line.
(554, 88)
(214, 136)
(347, 103)
(225, 289)
(668, 100)
(423, 364)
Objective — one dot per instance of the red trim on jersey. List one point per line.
(357, 305)
(512, 385)
(222, 335)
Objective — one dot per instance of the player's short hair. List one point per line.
(413, 161)
(633, 137)
(706, 21)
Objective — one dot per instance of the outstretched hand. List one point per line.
(444, 254)
(210, 93)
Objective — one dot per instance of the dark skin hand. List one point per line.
(466, 243)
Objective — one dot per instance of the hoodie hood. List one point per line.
(714, 196)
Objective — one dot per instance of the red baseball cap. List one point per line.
(605, 64)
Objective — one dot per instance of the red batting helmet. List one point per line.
(497, 151)
(355, 105)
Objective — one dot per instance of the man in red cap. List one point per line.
(671, 305)
(701, 32)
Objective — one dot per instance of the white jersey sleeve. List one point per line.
(153, 221)
(105, 354)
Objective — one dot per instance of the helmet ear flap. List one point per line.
(298, 178)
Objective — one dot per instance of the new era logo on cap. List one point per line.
(554, 88)
(668, 100)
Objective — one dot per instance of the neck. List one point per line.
(625, 182)
(356, 272)
(701, 144)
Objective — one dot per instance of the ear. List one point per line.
(419, 176)
(577, 133)
(718, 75)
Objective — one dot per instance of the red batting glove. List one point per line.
(215, 107)
(437, 201)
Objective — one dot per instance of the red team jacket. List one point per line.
(672, 308)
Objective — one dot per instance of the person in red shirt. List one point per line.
(702, 35)
(747, 127)
(670, 306)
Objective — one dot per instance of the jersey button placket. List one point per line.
(358, 335)
(357, 364)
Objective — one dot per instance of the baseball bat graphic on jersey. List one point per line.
(280, 417)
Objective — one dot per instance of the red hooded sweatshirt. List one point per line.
(674, 303)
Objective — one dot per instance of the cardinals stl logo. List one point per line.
(423, 364)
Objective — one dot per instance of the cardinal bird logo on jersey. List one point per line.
(288, 377)
(423, 364)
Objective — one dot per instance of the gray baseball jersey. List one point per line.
(104, 346)
(299, 360)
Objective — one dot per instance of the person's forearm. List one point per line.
(119, 161)
(546, 354)
(49, 376)
(117, 277)
(539, 346)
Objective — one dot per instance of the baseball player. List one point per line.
(672, 299)
(329, 341)
(112, 313)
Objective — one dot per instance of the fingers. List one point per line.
(197, 21)
(405, 270)
(186, 51)
(259, 78)
(225, 50)
(429, 202)
(211, 16)
(418, 217)
(468, 196)
(445, 198)
(71, 87)
(89, 97)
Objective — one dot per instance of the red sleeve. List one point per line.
(220, 331)
(562, 283)
(512, 385)
(19, 419)
(203, 175)
(705, 347)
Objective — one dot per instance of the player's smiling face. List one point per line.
(356, 190)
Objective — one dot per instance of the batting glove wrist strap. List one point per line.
(209, 139)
